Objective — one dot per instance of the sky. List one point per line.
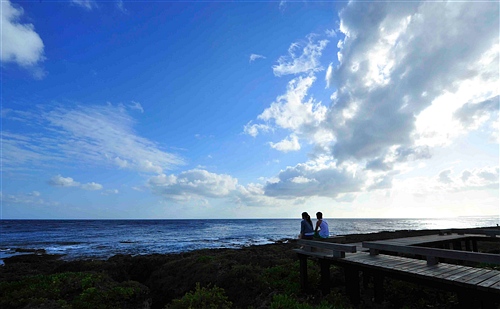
(249, 109)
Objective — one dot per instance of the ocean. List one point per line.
(101, 239)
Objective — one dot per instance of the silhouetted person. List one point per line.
(322, 226)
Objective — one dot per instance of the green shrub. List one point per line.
(202, 298)
(76, 290)
(282, 301)
(285, 278)
(205, 259)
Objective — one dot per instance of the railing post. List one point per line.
(303, 271)
(378, 287)
(432, 260)
(352, 283)
(325, 276)
(467, 245)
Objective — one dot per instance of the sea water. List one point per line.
(101, 239)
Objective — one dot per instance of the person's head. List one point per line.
(305, 215)
(319, 215)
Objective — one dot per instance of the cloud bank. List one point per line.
(403, 80)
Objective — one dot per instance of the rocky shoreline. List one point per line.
(263, 276)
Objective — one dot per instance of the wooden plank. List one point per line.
(464, 272)
(422, 239)
(327, 245)
(483, 277)
(417, 269)
(315, 254)
(435, 270)
(440, 253)
(471, 276)
(495, 286)
(491, 281)
(452, 272)
(392, 264)
(440, 270)
(413, 266)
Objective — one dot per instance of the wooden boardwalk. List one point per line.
(487, 280)
(468, 282)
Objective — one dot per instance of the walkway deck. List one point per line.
(469, 282)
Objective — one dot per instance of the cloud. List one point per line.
(91, 186)
(254, 129)
(403, 84)
(254, 57)
(329, 75)
(198, 186)
(121, 7)
(110, 192)
(291, 143)
(475, 179)
(290, 111)
(315, 179)
(33, 198)
(391, 71)
(307, 62)
(136, 106)
(196, 183)
(60, 181)
(472, 115)
(282, 5)
(331, 33)
(95, 135)
(20, 43)
(444, 176)
(86, 4)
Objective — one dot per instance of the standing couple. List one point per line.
(306, 227)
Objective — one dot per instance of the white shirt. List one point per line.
(324, 232)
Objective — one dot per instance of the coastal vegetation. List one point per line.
(265, 276)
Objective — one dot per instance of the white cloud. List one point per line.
(137, 106)
(291, 143)
(86, 4)
(91, 186)
(392, 71)
(329, 75)
(254, 57)
(20, 43)
(60, 181)
(447, 181)
(289, 111)
(96, 135)
(254, 129)
(25, 199)
(191, 184)
(473, 114)
(315, 178)
(282, 5)
(405, 84)
(121, 7)
(307, 62)
(110, 192)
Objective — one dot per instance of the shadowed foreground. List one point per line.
(264, 276)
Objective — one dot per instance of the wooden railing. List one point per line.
(433, 254)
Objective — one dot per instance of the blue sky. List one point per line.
(259, 109)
